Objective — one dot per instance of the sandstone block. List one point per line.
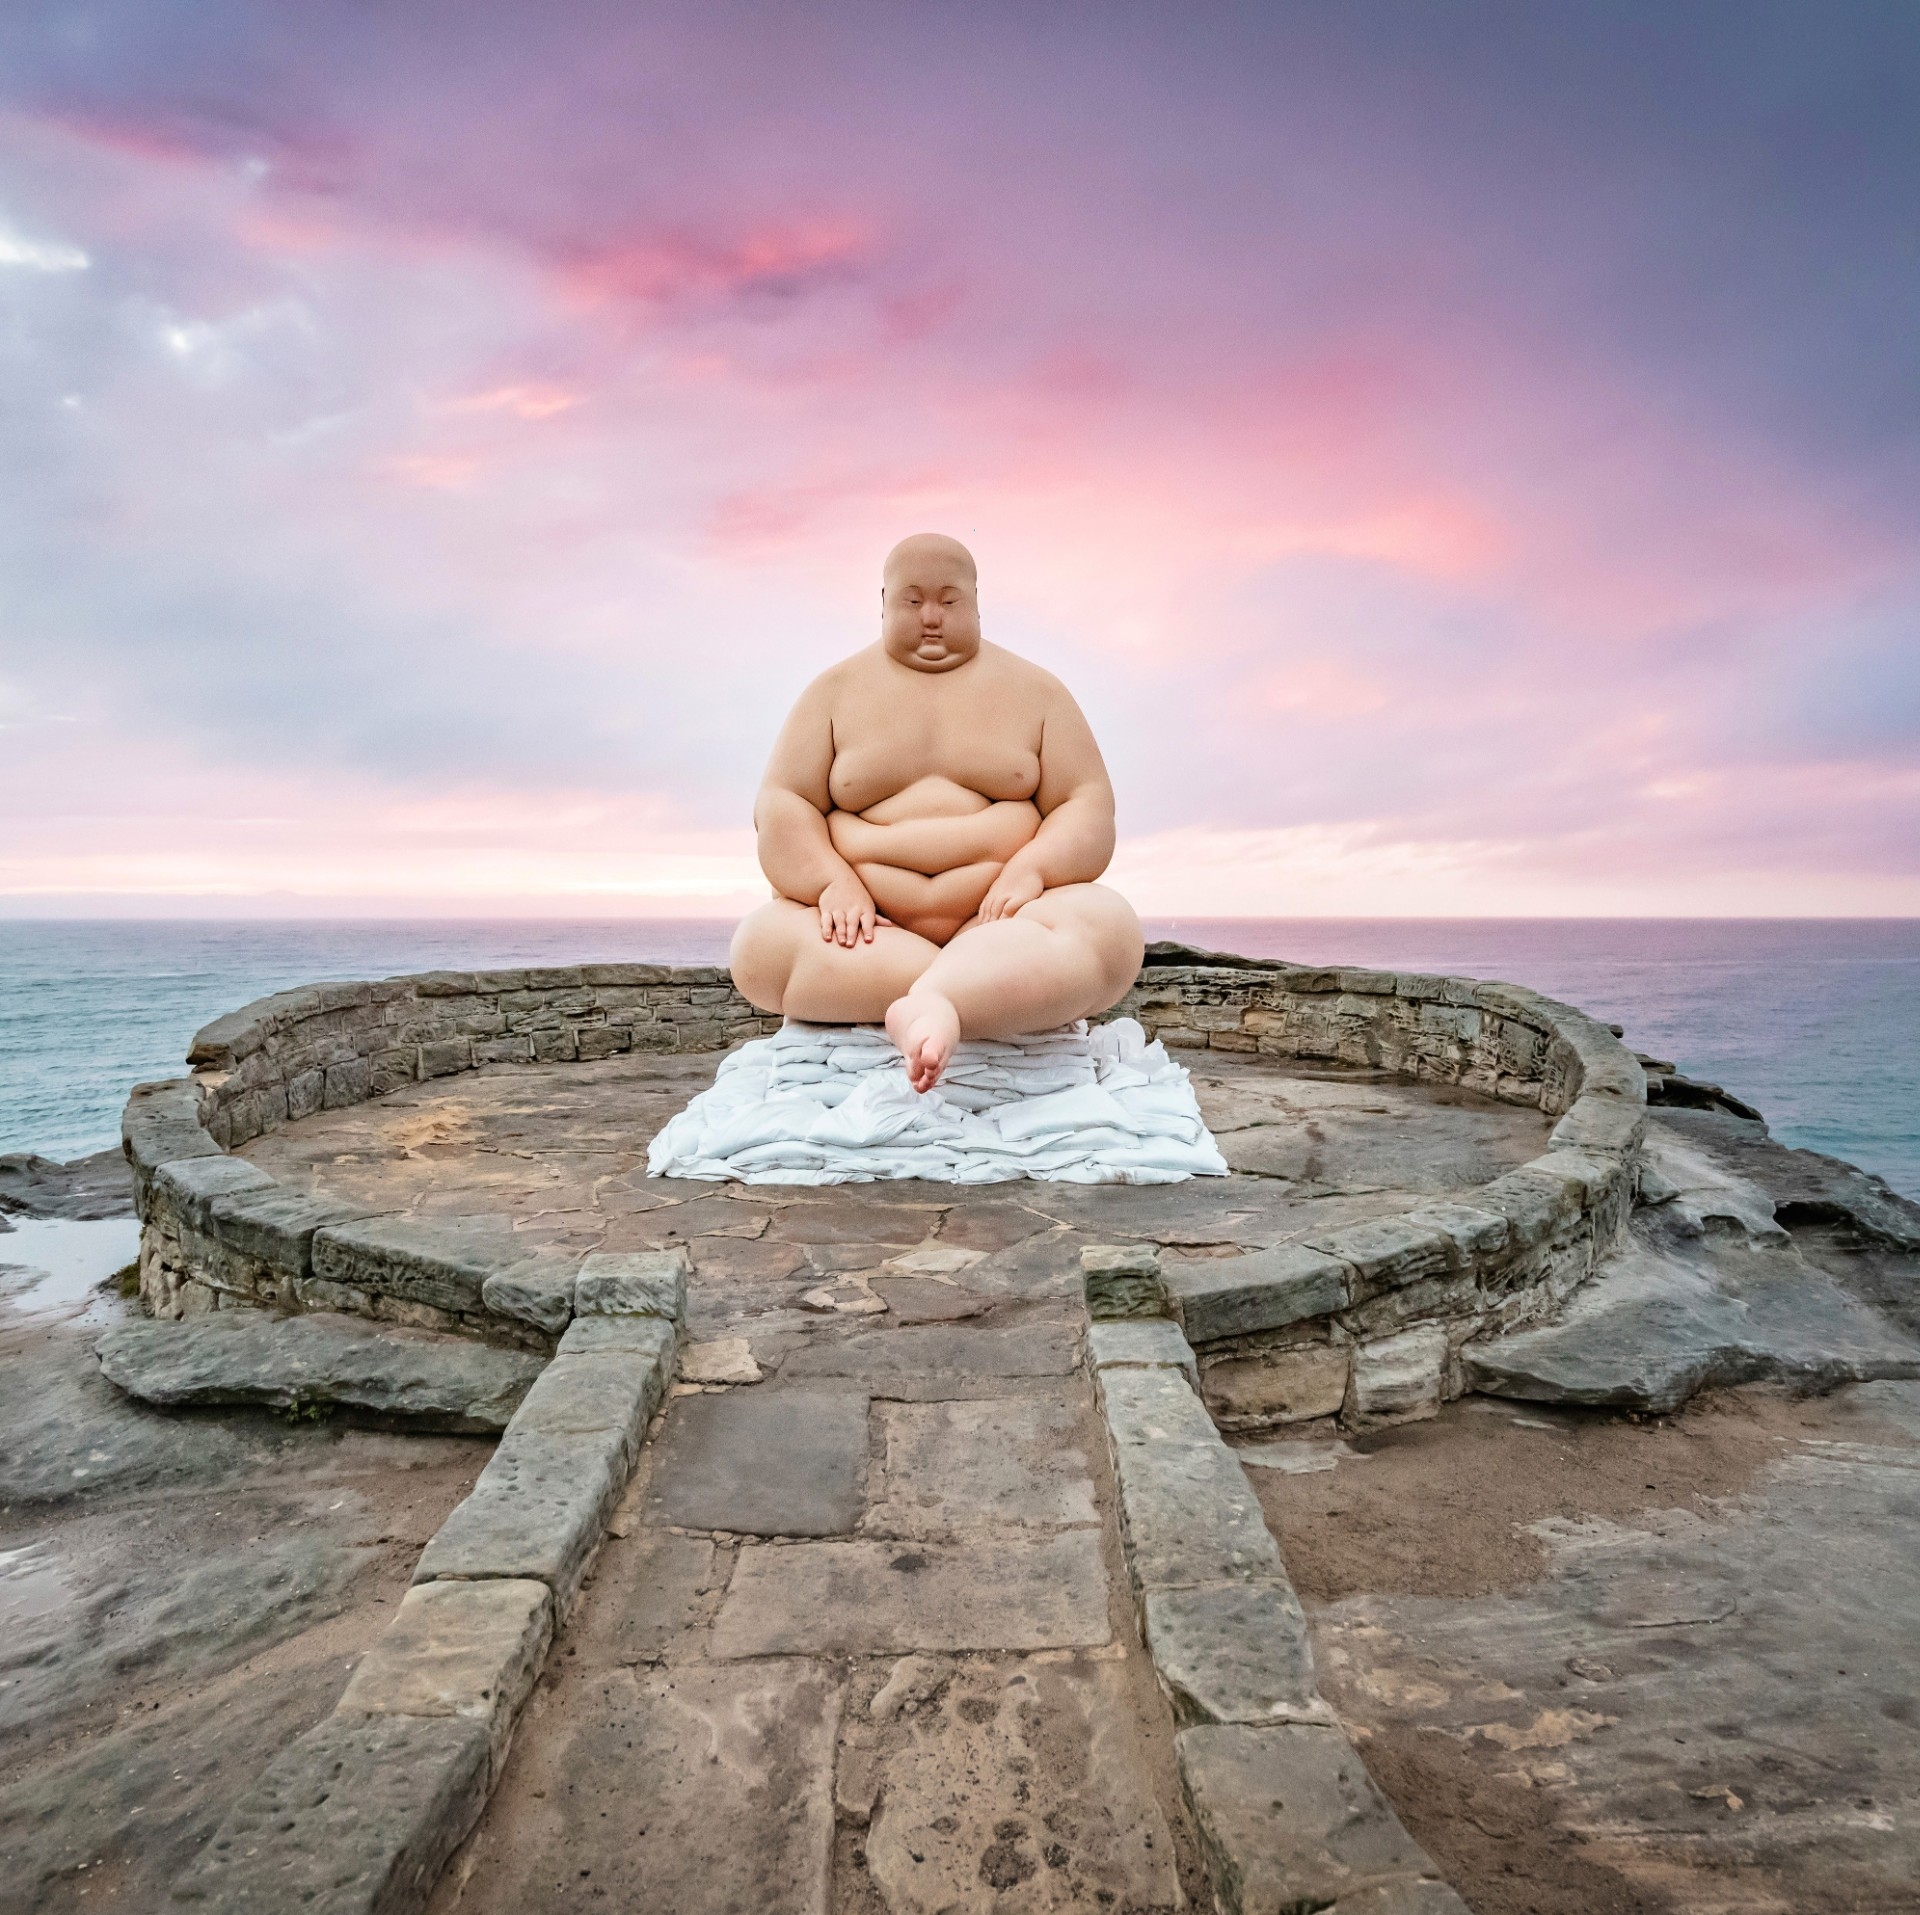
(649, 1338)
(458, 1649)
(1288, 1818)
(1474, 1237)
(1152, 1404)
(442, 1262)
(1277, 1386)
(651, 1283)
(249, 1356)
(1215, 1297)
(1233, 1652)
(536, 1289)
(186, 1189)
(609, 1393)
(1385, 1252)
(442, 1057)
(1121, 1280)
(1537, 1207)
(602, 1040)
(1601, 1123)
(274, 1225)
(1397, 1379)
(306, 1093)
(161, 1124)
(348, 1083)
(357, 1817)
(1143, 1343)
(1190, 1517)
(537, 1511)
(503, 1050)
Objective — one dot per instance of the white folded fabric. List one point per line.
(830, 1104)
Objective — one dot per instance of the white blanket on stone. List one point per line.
(830, 1104)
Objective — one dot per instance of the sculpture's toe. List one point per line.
(925, 1027)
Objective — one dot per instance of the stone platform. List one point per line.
(550, 1160)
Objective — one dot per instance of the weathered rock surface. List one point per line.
(1656, 1325)
(320, 1360)
(83, 1191)
(358, 1817)
(1803, 1185)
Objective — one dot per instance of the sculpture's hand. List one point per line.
(846, 912)
(1014, 887)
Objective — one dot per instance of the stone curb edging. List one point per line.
(1368, 1320)
(360, 1815)
(218, 1231)
(1286, 1814)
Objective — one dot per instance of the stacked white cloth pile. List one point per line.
(830, 1104)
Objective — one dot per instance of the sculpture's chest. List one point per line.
(879, 750)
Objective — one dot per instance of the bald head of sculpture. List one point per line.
(930, 603)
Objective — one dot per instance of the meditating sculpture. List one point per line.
(932, 822)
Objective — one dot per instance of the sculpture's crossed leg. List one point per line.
(1070, 953)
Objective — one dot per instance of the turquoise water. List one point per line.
(1815, 1021)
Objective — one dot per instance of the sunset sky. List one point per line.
(1464, 458)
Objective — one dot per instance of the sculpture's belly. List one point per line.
(932, 907)
(931, 845)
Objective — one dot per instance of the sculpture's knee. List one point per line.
(762, 956)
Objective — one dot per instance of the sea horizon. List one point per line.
(1814, 1020)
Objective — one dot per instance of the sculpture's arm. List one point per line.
(1075, 841)
(790, 821)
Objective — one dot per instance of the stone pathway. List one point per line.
(859, 1639)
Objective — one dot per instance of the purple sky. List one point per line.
(1464, 458)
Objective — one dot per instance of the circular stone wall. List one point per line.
(1370, 1316)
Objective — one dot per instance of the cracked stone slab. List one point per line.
(762, 1463)
(1289, 1818)
(458, 1649)
(357, 1817)
(887, 1598)
(939, 1359)
(249, 1356)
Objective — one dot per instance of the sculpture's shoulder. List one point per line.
(851, 681)
(1021, 679)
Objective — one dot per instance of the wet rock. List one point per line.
(88, 1189)
(304, 1362)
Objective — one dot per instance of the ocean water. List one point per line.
(1815, 1021)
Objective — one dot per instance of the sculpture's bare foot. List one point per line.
(925, 1027)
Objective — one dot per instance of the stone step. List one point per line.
(319, 1362)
